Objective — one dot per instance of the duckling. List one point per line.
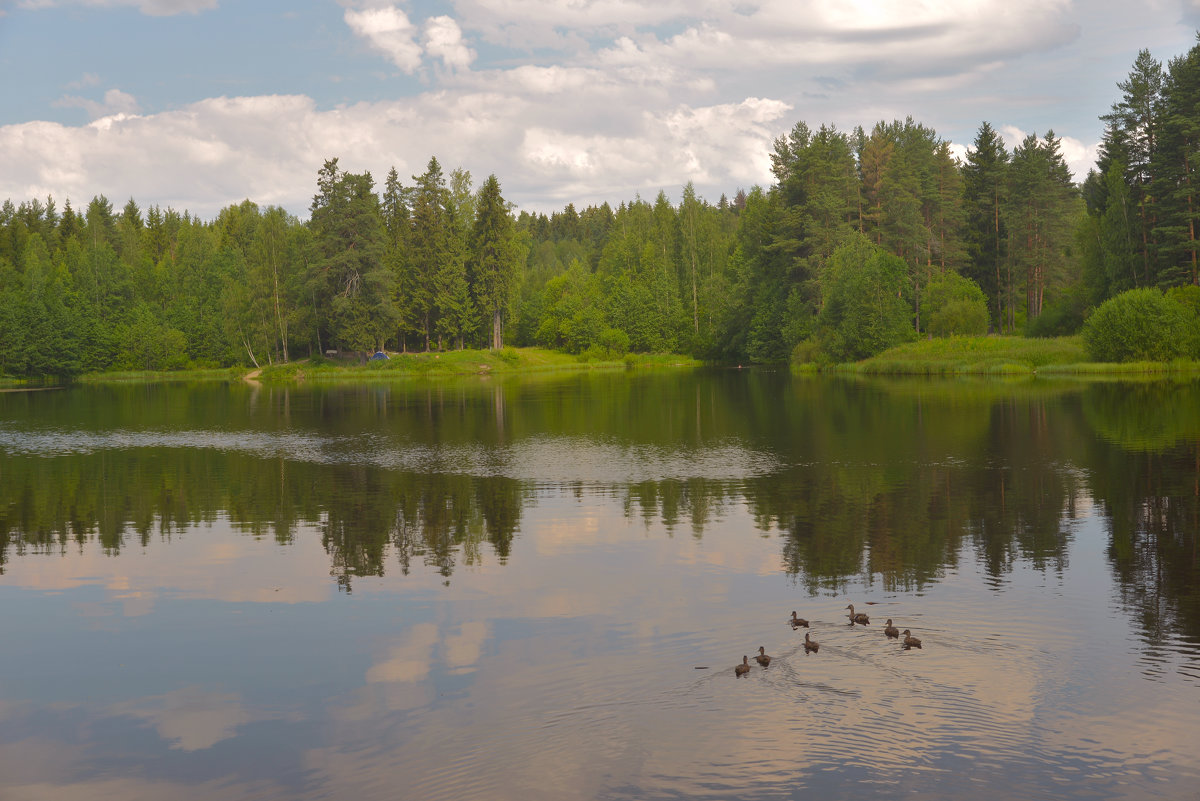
(797, 622)
(810, 645)
(744, 668)
(890, 630)
(762, 657)
(910, 641)
(861, 617)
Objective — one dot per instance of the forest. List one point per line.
(866, 238)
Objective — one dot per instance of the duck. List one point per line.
(797, 622)
(891, 630)
(910, 641)
(810, 645)
(762, 657)
(861, 617)
(744, 668)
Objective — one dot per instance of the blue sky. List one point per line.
(197, 104)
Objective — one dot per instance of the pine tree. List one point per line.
(1175, 173)
(984, 194)
(495, 256)
(1042, 206)
(350, 240)
(429, 247)
(1131, 138)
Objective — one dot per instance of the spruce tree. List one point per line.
(495, 257)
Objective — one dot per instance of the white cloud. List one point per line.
(567, 24)
(388, 30)
(590, 145)
(1080, 157)
(115, 102)
(650, 96)
(153, 8)
(875, 38)
(443, 39)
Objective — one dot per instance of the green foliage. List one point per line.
(955, 305)
(986, 229)
(864, 312)
(987, 355)
(496, 256)
(1188, 296)
(350, 240)
(806, 351)
(861, 237)
(1141, 324)
(151, 345)
(572, 319)
(1063, 318)
(614, 342)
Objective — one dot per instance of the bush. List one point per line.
(960, 318)
(1139, 325)
(806, 351)
(955, 305)
(615, 341)
(1189, 297)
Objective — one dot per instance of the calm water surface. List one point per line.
(539, 588)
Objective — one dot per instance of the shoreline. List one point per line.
(405, 366)
(999, 356)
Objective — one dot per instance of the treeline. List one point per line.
(430, 265)
(865, 239)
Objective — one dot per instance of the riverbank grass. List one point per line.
(158, 376)
(999, 355)
(464, 362)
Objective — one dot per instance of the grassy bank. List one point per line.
(404, 365)
(997, 355)
(461, 363)
(158, 376)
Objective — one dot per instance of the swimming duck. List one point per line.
(910, 641)
(744, 668)
(798, 621)
(861, 617)
(810, 645)
(891, 630)
(762, 657)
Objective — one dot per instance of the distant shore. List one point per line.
(507, 361)
(1000, 356)
(951, 356)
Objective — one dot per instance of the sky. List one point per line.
(198, 104)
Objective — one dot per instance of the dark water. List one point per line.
(504, 590)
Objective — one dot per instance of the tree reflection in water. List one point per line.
(883, 480)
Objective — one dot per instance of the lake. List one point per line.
(539, 587)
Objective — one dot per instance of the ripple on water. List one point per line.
(554, 461)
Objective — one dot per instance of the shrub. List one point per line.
(1139, 325)
(615, 341)
(960, 317)
(1189, 297)
(806, 351)
(955, 305)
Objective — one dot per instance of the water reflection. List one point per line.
(501, 590)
